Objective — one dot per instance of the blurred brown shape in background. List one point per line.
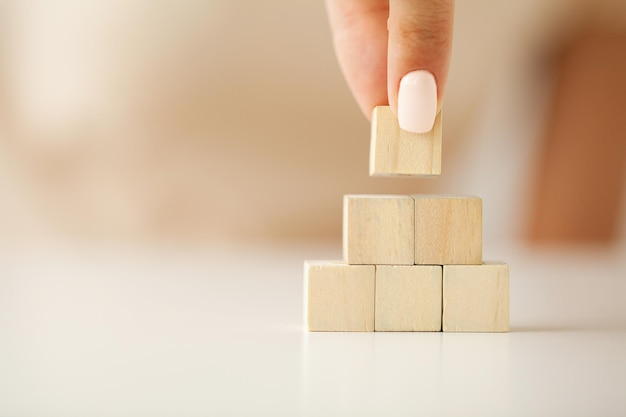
(582, 173)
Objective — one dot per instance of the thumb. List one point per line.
(420, 43)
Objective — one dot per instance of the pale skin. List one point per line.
(379, 41)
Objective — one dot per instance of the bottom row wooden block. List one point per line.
(408, 298)
(364, 298)
(476, 298)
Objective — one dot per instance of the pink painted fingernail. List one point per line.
(417, 101)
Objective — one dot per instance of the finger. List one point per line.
(359, 30)
(420, 43)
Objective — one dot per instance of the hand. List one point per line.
(395, 52)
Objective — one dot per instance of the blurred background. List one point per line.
(230, 120)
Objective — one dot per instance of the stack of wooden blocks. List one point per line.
(411, 263)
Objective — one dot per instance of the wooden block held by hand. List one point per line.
(408, 298)
(339, 297)
(476, 298)
(396, 152)
(448, 230)
(378, 229)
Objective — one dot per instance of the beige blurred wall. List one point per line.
(230, 119)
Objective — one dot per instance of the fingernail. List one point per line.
(417, 101)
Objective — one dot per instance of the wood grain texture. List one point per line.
(476, 298)
(396, 152)
(448, 230)
(378, 229)
(339, 297)
(408, 298)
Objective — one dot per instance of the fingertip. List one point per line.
(420, 44)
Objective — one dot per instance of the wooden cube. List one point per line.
(395, 152)
(378, 229)
(408, 298)
(339, 297)
(448, 230)
(476, 298)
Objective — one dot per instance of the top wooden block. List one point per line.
(396, 152)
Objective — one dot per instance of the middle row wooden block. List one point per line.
(408, 230)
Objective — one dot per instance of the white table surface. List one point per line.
(126, 331)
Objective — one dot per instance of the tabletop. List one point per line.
(168, 330)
